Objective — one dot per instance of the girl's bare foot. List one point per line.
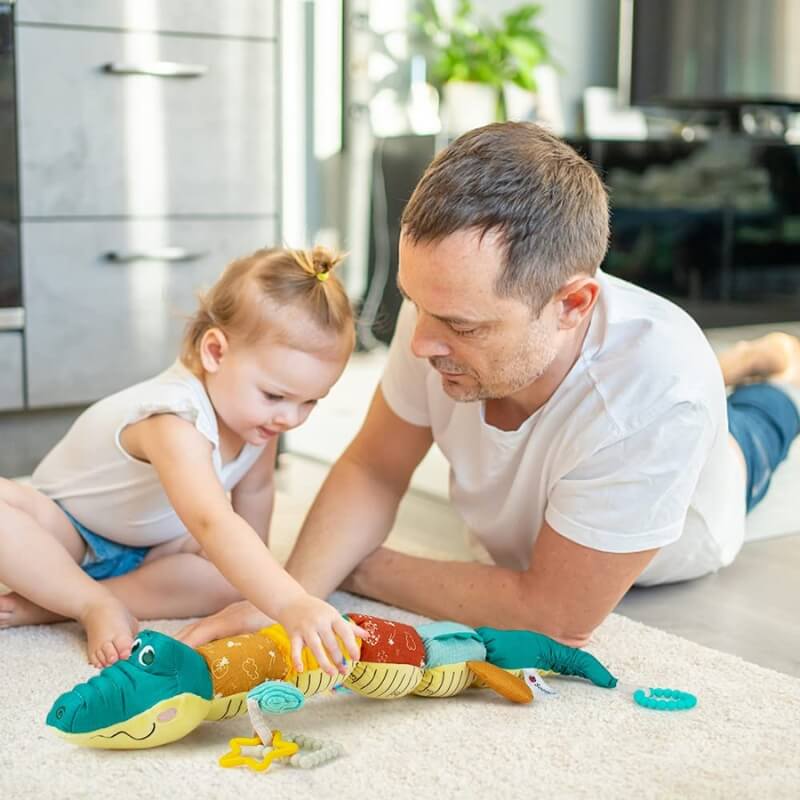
(110, 629)
(16, 610)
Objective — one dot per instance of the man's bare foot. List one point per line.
(110, 629)
(775, 356)
(16, 610)
(241, 617)
(791, 358)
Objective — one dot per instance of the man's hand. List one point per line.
(241, 617)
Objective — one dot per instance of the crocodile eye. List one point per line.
(147, 656)
(137, 643)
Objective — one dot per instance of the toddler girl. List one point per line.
(129, 516)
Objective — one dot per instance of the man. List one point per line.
(584, 418)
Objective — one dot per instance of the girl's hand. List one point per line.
(311, 621)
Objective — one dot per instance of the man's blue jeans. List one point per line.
(764, 421)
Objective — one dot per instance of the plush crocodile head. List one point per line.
(128, 701)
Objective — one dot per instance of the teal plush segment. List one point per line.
(277, 697)
(160, 667)
(450, 643)
(521, 649)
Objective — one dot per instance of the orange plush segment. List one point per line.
(389, 642)
(239, 663)
(509, 686)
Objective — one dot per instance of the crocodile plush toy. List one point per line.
(165, 689)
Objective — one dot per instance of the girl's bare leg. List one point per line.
(39, 554)
(174, 581)
(178, 585)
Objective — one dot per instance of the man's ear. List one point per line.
(213, 347)
(576, 299)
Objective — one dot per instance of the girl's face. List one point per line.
(263, 389)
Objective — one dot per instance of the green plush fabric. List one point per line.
(450, 643)
(159, 667)
(521, 649)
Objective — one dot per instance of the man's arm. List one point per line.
(357, 504)
(566, 593)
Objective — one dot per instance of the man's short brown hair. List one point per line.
(545, 201)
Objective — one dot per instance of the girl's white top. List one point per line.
(114, 494)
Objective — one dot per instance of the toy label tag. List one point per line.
(538, 685)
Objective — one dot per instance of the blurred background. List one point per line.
(145, 143)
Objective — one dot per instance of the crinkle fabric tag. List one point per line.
(538, 685)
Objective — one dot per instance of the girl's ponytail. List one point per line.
(241, 301)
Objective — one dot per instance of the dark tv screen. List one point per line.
(710, 52)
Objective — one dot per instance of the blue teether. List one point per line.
(673, 700)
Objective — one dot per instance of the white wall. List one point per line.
(583, 41)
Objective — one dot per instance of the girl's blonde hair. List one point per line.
(252, 290)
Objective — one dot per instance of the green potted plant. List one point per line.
(481, 67)
(525, 49)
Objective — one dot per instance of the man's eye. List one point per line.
(463, 332)
(271, 396)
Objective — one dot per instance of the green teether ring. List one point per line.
(673, 700)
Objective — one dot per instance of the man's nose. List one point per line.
(426, 343)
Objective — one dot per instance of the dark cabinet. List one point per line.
(714, 226)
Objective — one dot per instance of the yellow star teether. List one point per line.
(280, 749)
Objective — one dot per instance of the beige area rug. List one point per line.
(741, 741)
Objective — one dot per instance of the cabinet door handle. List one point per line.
(159, 69)
(157, 254)
(12, 319)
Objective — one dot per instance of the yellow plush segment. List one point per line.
(315, 681)
(383, 681)
(445, 681)
(165, 722)
(227, 707)
(238, 663)
(277, 634)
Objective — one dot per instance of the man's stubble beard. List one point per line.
(513, 372)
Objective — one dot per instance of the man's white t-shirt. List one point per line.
(111, 493)
(630, 453)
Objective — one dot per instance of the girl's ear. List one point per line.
(213, 347)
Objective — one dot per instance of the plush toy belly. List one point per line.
(165, 722)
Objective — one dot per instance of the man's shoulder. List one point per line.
(647, 356)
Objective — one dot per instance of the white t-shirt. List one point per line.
(115, 495)
(631, 452)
